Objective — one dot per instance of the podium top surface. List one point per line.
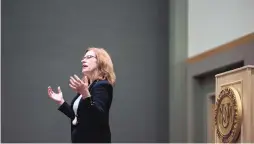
(235, 70)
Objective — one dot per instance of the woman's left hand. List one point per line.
(79, 85)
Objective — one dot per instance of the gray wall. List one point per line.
(178, 52)
(43, 43)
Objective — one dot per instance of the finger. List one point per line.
(74, 79)
(59, 89)
(76, 83)
(73, 87)
(78, 79)
(49, 93)
(73, 83)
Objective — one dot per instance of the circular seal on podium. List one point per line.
(228, 115)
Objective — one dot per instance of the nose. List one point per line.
(83, 60)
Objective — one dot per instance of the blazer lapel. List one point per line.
(91, 86)
(73, 100)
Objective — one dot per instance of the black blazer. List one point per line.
(92, 114)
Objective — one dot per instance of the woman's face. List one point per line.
(89, 62)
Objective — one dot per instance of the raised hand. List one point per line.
(79, 85)
(58, 97)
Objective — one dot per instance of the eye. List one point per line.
(89, 56)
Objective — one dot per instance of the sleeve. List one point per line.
(97, 104)
(67, 110)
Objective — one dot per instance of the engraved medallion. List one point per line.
(228, 115)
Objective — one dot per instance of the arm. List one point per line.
(58, 97)
(67, 110)
(97, 105)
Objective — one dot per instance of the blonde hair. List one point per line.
(105, 69)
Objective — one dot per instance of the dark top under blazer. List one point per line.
(92, 114)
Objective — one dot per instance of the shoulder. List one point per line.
(103, 83)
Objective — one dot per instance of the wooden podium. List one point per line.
(234, 106)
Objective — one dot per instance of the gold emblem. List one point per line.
(228, 115)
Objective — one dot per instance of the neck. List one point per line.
(89, 78)
(92, 76)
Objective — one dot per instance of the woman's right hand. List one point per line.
(58, 97)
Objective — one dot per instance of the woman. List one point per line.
(89, 110)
